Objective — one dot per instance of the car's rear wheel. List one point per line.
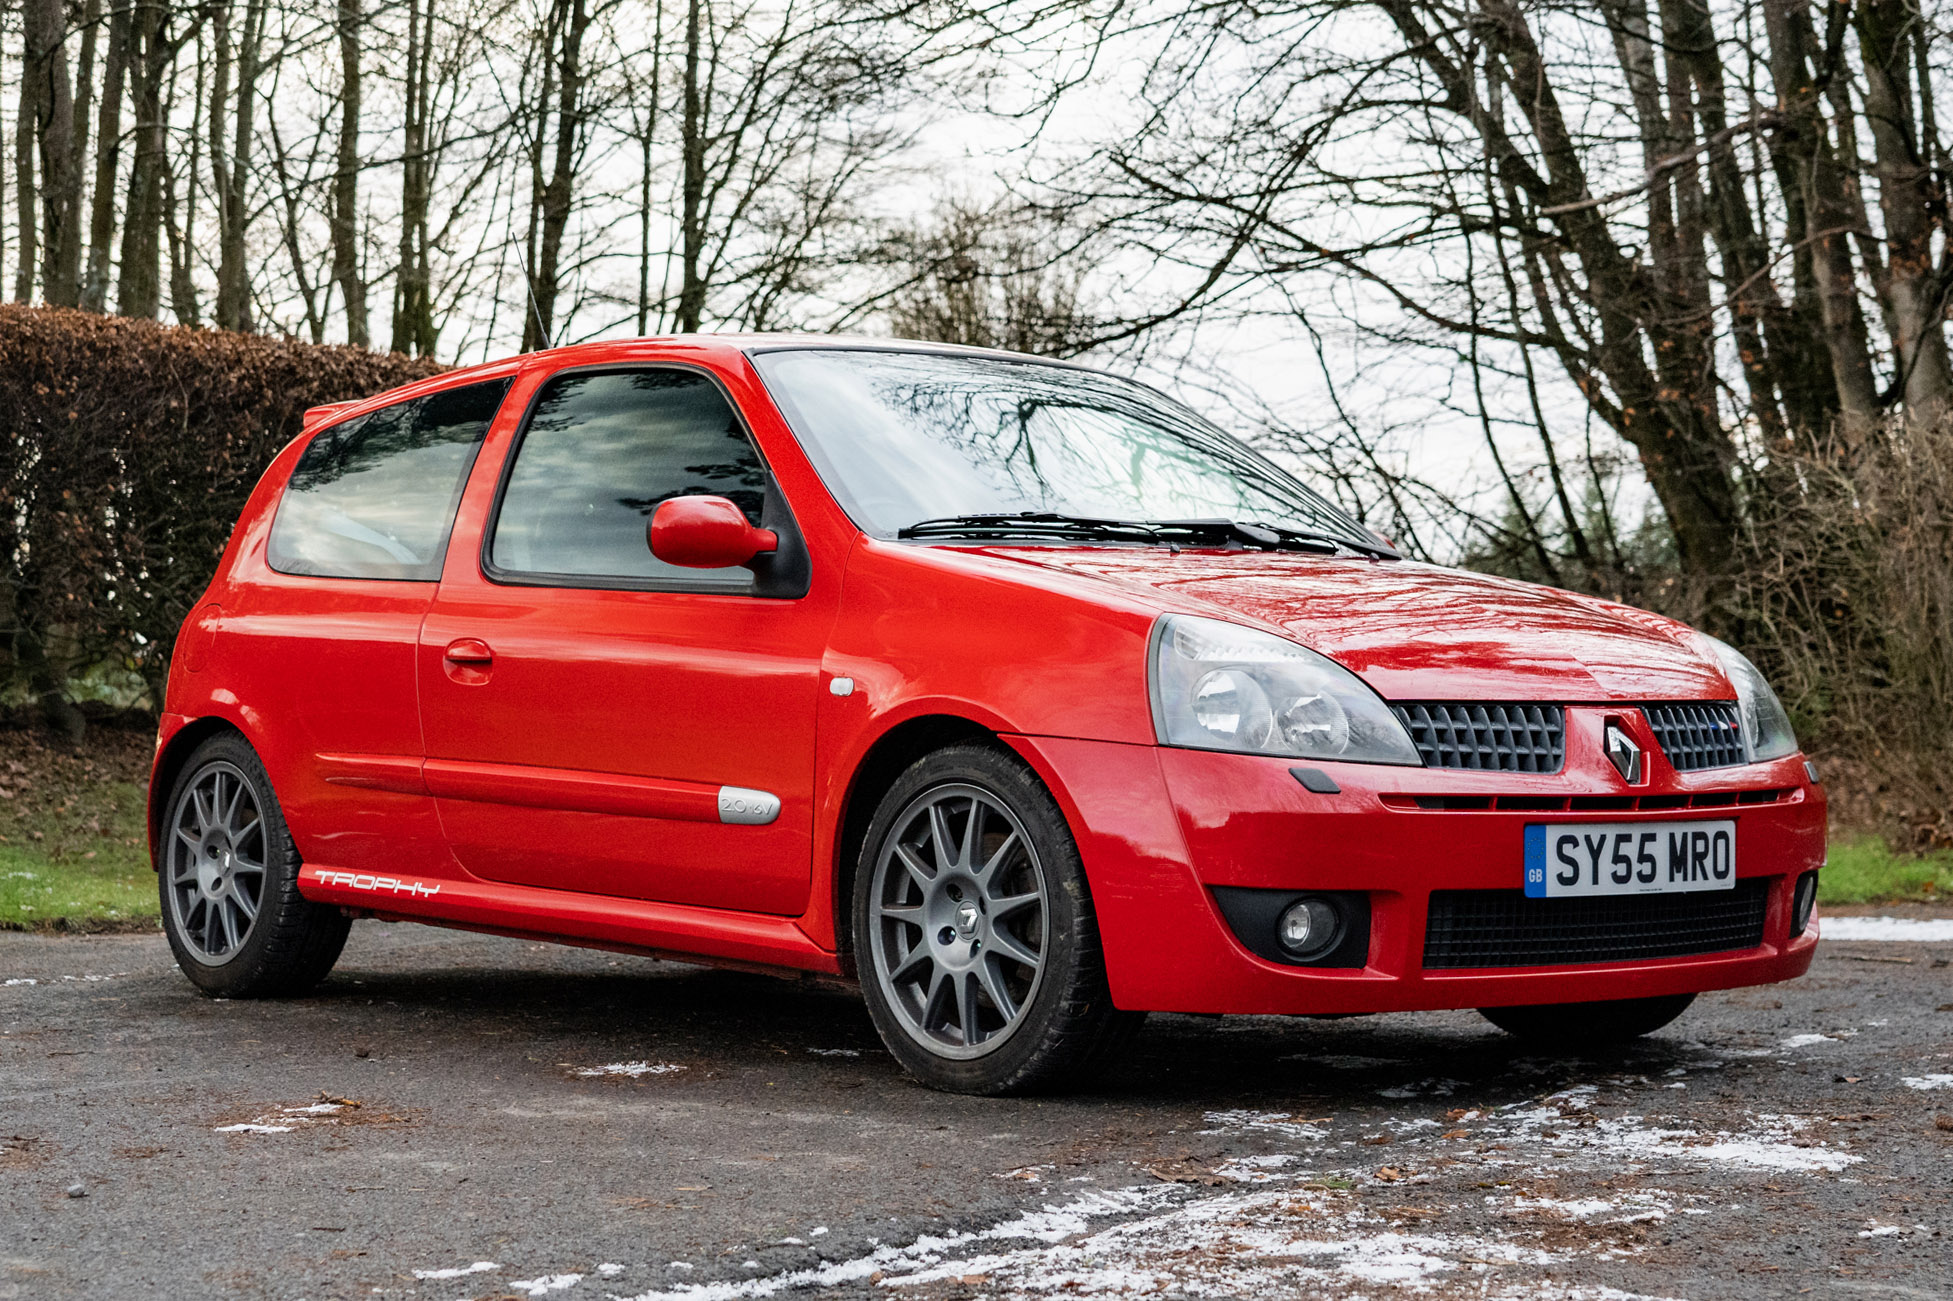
(1588, 1025)
(229, 882)
(974, 932)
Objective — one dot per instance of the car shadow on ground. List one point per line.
(631, 1009)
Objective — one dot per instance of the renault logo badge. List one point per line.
(1623, 753)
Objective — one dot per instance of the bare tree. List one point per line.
(993, 275)
(108, 154)
(345, 178)
(1479, 139)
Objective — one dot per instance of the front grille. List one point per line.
(1587, 803)
(1490, 738)
(1699, 734)
(1503, 928)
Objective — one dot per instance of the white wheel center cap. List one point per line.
(966, 918)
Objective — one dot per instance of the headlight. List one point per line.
(1766, 727)
(1217, 686)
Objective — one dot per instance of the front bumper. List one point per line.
(1158, 827)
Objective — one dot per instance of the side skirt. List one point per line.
(678, 931)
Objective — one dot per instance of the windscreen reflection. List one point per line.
(903, 437)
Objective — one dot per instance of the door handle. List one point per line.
(468, 661)
(468, 650)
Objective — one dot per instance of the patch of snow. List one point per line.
(458, 1271)
(1633, 1208)
(630, 1069)
(1774, 1143)
(285, 1119)
(1937, 930)
(23, 980)
(1255, 1169)
(546, 1284)
(835, 1052)
(1053, 1224)
(1928, 1081)
(609, 1270)
(1806, 1040)
(1272, 1122)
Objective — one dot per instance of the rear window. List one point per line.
(374, 496)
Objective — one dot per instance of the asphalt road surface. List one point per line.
(455, 1116)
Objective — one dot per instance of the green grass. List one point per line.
(73, 848)
(1865, 869)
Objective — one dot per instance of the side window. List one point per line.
(601, 450)
(374, 497)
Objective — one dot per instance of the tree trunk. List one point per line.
(691, 289)
(647, 133)
(345, 180)
(1910, 202)
(553, 200)
(1820, 186)
(62, 151)
(230, 162)
(108, 155)
(47, 139)
(183, 288)
(26, 189)
(139, 287)
(413, 311)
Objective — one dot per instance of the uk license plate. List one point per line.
(1597, 858)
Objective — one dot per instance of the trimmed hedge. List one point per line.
(127, 449)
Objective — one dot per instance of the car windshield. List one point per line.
(955, 441)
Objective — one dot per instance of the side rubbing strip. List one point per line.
(746, 807)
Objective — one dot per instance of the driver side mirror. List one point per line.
(705, 533)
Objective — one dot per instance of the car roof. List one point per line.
(724, 345)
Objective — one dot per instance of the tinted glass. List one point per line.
(374, 497)
(600, 452)
(903, 437)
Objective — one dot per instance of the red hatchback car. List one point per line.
(1014, 690)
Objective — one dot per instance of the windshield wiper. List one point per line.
(1185, 532)
(1331, 540)
(1030, 522)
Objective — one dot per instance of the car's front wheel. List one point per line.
(228, 874)
(1588, 1025)
(974, 932)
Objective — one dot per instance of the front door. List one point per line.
(597, 720)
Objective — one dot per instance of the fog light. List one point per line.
(1309, 927)
(1801, 904)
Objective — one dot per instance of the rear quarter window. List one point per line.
(374, 496)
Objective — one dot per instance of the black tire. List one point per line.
(290, 943)
(1588, 1025)
(1066, 1027)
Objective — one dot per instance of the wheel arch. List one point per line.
(885, 761)
(175, 754)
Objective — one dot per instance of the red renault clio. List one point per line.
(1014, 690)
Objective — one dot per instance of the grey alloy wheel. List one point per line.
(215, 862)
(959, 921)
